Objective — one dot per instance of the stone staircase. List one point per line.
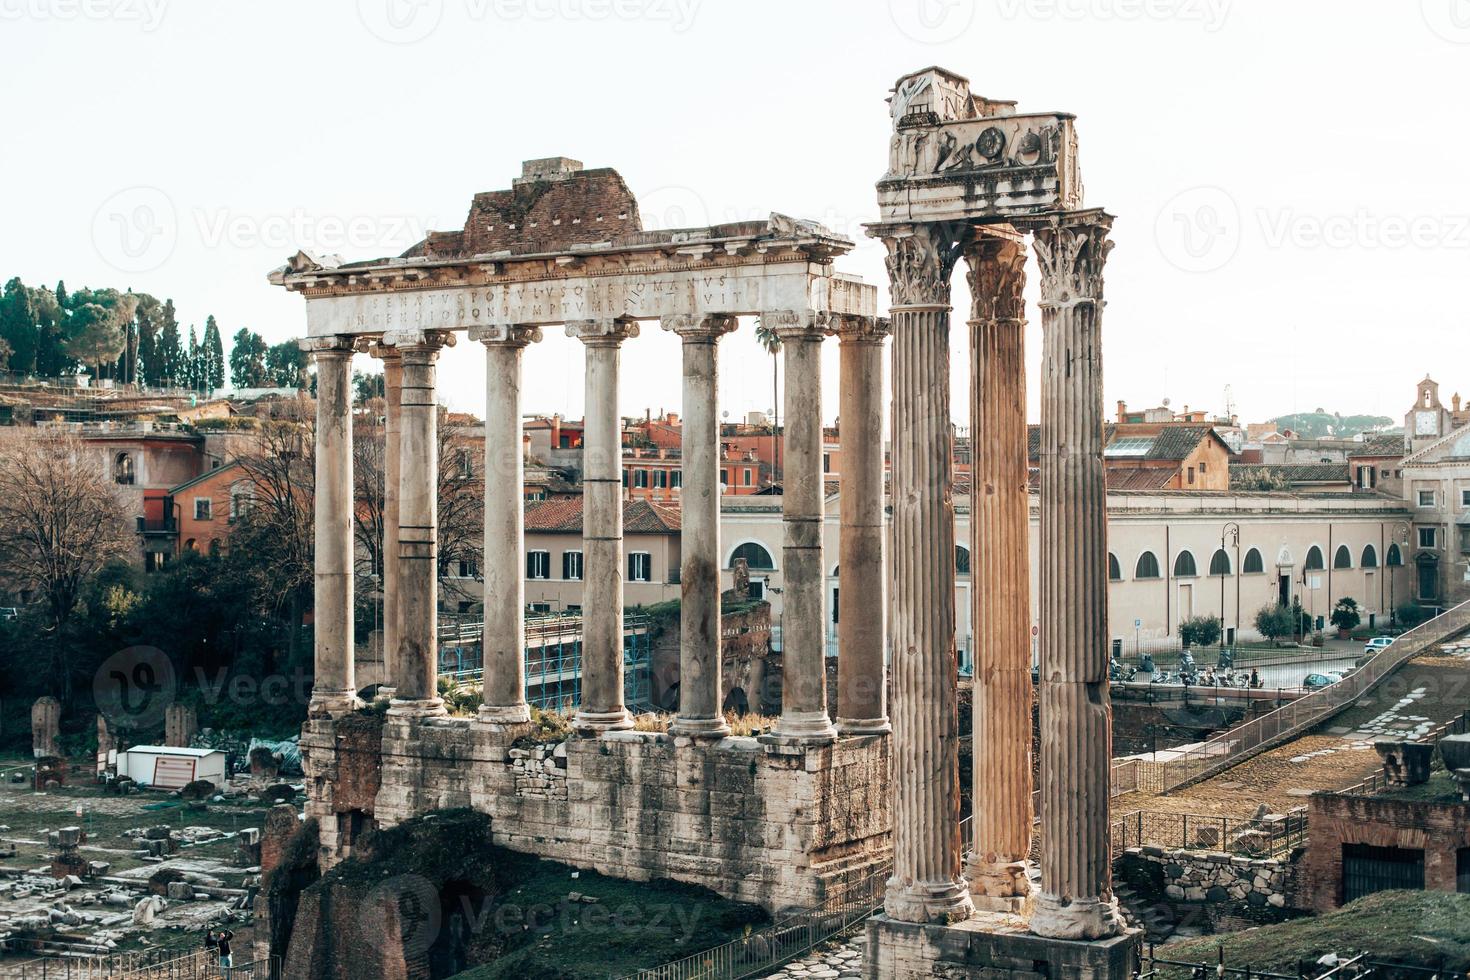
(1158, 920)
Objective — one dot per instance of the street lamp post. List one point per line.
(1231, 531)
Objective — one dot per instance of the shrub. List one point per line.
(1345, 614)
(1411, 614)
(1275, 622)
(1200, 631)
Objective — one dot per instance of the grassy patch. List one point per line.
(1429, 929)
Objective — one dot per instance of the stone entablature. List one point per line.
(747, 268)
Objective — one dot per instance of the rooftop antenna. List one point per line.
(1229, 402)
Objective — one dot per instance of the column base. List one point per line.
(590, 724)
(700, 728)
(332, 704)
(801, 728)
(1080, 919)
(864, 726)
(933, 902)
(989, 946)
(997, 886)
(416, 708)
(500, 715)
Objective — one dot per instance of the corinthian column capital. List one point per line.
(851, 328)
(603, 331)
(920, 261)
(699, 327)
(506, 334)
(1071, 250)
(793, 324)
(996, 272)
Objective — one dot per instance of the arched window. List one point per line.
(757, 558)
(1342, 558)
(1148, 566)
(1314, 560)
(961, 560)
(1370, 557)
(1220, 563)
(122, 469)
(191, 546)
(1395, 557)
(1115, 570)
(214, 547)
(1253, 564)
(1184, 566)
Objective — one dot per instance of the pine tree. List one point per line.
(51, 357)
(18, 328)
(214, 356)
(247, 359)
(193, 370)
(170, 348)
(146, 323)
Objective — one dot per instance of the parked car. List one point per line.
(1376, 644)
(9, 612)
(1315, 682)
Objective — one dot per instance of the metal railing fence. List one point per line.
(1261, 733)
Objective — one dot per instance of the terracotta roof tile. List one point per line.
(564, 516)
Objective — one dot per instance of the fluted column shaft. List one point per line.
(504, 642)
(700, 694)
(416, 694)
(334, 689)
(1000, 594)
(1076, 737)
(926, 885)
(804, 718)
(862, 707)
(602, 708)
(392, 427)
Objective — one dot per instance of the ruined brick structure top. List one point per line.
(553, 205)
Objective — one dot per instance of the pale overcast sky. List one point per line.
(1289, 178)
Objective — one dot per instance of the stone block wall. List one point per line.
(746, 820)
(1260, 887)
(342, 762)
(990, 948)
(1439, 829)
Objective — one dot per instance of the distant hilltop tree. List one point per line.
(1331, 425)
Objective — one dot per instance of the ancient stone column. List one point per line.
(861, 688)
(505, 528)
(999, 570)
(804, 718)
(180, 725)
(334, 691)
(392, 426)
(417, 694)
(926, 885)
(700, 693)
(45, 727)
(1076, 726)
(602, 707)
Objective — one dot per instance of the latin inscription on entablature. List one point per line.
(547, 302)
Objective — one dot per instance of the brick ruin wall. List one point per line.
(746, 820)
(1440, 830)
